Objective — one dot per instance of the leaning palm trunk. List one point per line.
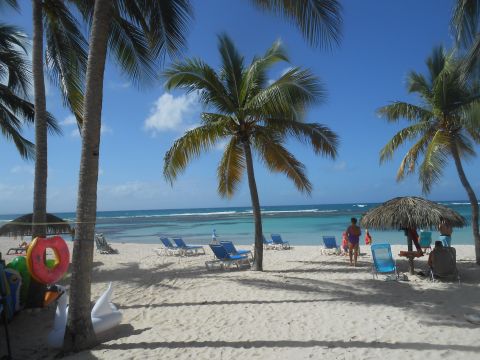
(41, 171)
(257, 216)
(473, 200)
(79, 334)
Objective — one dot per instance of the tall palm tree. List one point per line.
(251, 115)
(138, 31)
(65, 59)
(446, 124)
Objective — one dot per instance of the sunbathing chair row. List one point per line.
(227, 256)
(180, 248)
(276, 243)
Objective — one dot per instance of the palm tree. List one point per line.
(251, 115)
(139, 31)
(446, 124)
(65, 59)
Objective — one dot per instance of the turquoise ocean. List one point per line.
(299, 224)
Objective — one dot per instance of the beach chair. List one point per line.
(268, 244)
(444, 264)
(277, 240)
(188, 249)
(228, 245)
(169, 248)
(224, 260)
(330, 246)
(102, 246)
(425, 241)
(383, 262)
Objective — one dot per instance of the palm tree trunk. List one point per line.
(41, 170)
(79, 334)
(472, 197)
(257, 216)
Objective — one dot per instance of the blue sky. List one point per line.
(382, 41)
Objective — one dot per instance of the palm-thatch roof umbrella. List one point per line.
(410, 213)
(22, 226)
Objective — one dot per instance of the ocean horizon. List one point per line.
(298, 224)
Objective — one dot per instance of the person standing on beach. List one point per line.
(446, 230)
(368, 238)
(353, 233)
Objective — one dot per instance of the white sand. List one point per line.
(303, 306)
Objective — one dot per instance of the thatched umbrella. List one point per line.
(22, 226)
(410, 213)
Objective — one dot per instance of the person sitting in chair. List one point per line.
(438, 246)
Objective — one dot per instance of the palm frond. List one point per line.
(10, 126)
(190, 146)
(12, 3)
(407, 134)
(193, 75)
(402, 110)
(465, 21)
(278, 159)
(321, 138)
(435, 160)
(231, 168)
(255, 77)
(66, 55)
(287, 96)
(320, 21)
(15, 70)
(232, 68)
(418, 84)
(410, 160)
(436, 63)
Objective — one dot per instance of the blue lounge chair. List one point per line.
(383, 261)
(188, 249)
(277, 240)
(169, 248)
(425, 241)
(268, 244)
(228, 245)
(225, 260)
(330, 245)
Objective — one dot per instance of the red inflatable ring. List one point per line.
(36, 259)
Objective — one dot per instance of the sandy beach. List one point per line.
(305, 305)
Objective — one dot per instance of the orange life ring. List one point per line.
(36, 259)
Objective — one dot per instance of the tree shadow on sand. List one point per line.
(289, 344)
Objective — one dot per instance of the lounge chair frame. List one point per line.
(330, 246)
(188, 249)
(225, 261)
(376, 268)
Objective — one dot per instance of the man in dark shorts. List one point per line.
(353, 234)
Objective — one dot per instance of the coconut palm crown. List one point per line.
(446, 125)
(15, 109)
(249, 114)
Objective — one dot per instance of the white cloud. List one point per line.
(120, 85)
(170, 113)
(137, 189)
(22, 169)
(105, 129)
(69, 121)
(341, 166)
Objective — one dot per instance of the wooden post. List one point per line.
(410, 249)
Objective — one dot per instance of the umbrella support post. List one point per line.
(410, 259)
